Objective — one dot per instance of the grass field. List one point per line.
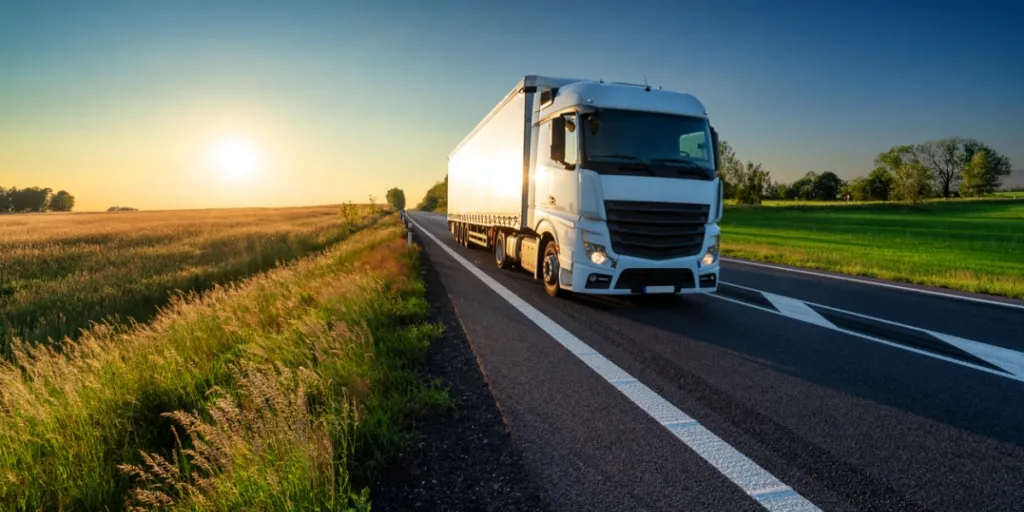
(972, 245)
(285, 390)
(60, 272)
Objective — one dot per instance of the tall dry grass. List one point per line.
(59, 273)
(286, 390)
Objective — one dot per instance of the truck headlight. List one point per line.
(596, 253)
(711, 255)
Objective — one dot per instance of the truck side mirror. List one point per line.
(558, 139)
(718, 152)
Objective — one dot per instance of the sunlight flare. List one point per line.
(234, 157)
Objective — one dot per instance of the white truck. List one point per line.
(593, 187)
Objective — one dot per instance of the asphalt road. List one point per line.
(806, 391)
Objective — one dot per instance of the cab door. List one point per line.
(557, 187)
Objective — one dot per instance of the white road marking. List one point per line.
(876, 283)
(1009, 360)
(754, 480)
(1013, 376)
(796, 309)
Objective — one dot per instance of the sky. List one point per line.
(121, 103)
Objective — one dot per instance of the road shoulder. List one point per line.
(464, 460)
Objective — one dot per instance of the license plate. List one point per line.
(659, 289)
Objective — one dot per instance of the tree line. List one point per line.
(35, 199)
(436, 198)
(951, 167)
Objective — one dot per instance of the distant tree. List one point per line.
(973, 182)
(436, 198)
(912, 182)
(878, 185)
(122, 209)
(856, 189)
(731, 169)
(776, 191)
(396, 198)
(32, 199)
(62, 201)
(373, 204)
(996, 166)
(802, 188)
(945, 158)
(895, 157)
(5, 200)
(750, 186)
(826, 186)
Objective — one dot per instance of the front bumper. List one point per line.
(633, 276)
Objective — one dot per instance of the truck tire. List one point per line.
(549, 269)
(502, 259)
(465, 237)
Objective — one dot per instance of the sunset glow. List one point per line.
(234, 157)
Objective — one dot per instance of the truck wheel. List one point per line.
(549, 269)
(502, 259)
(465, 236)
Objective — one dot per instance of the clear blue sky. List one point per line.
(348, 99)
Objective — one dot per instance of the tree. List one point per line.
(973, 182)
(895, 157)
(945, 158)
(750, 186)
(731, 169)
(776, 191)
(826, 186)
(878, 184)
(33, 199)
(996, 166)
(436, 198)
(396, 198)
(856, 189)
(802, 188)
(62, 202)
(5, 200)
(912, 181)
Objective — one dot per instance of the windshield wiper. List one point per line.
(683, 163)
(631, 158)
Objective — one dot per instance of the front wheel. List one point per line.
(549, 269)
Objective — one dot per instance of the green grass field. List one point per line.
(287, 389)
(971, 245)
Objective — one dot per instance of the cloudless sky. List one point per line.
(119, 102)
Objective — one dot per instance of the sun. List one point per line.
(234, 157)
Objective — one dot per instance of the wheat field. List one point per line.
(286, 389)
(59, 273)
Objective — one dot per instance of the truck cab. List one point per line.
(625, 180)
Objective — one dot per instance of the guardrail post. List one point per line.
(409, 234)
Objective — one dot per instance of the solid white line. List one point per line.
(876, 283)
(758, 483)
(879, 340)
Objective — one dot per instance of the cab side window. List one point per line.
(564, 140)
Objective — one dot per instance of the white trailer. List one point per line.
(593, 187)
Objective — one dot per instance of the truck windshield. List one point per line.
(646, 143)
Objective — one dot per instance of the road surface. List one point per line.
(784, 391)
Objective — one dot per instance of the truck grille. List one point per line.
(656, 231)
